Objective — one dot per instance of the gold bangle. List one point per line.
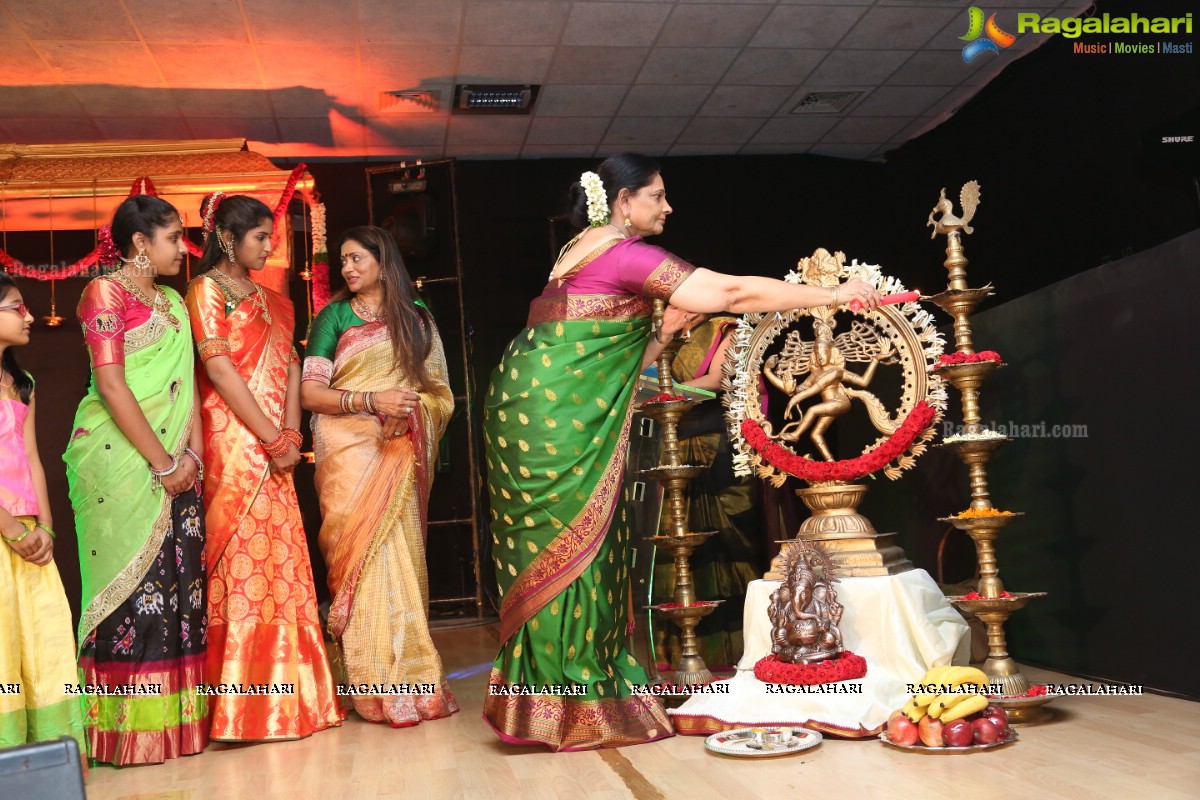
(833, 299)
(28, 529)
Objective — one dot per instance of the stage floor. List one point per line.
(1145, 746)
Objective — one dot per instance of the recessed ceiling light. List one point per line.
(494, 99)
(825, 102)
(410, 101)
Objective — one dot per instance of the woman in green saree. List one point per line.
(556, 423)
(133, 467)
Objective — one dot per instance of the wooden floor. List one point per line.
(1127, 747)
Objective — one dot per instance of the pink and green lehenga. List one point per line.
(556, 424)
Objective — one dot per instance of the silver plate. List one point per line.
(742, 742)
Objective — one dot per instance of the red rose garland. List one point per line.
(915, 424)
(105, 253)
(950, 359)
(845, 667)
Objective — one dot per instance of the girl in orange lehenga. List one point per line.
(263, 624)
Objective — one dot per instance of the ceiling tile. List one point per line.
(487, 129)
(134, 128)
(614, 24)
(704, 149)
(101, 20)
(303, 102)
(406, 67)
(711, 26)
(631, 130)
(948, 37)
(857, 67)
(611, 149)
(310, 65)
(306, 131)
(119, 101)
(899, 28)
(807, 26)
(223, 103)
(552, 130)
(21, 65)
(558, 150)
(935, 68)
(795, 130)
(590, 64)
(420, 22)
(486, 151)
(557, 100)
(773, 149)
(894, 101)
(45, 102)
(40, 130)
(860, 130)
(504, 64)
(205, 65)
(745, 101)
(515, 22)
(671, 65)
(857, 151)
(407, 130)
(197, 21)
(292, 23)
(773, 67)
(260, 130)
(120, 62)
(670, 101)
(720, 130)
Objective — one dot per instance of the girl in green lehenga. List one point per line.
(133, 466)
(556, 422)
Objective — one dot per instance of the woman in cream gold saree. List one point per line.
(375, 378)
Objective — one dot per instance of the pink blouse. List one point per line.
(106, 311)
(16, 481)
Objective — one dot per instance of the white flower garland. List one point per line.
(597, 200)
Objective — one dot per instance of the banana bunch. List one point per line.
(945, 703)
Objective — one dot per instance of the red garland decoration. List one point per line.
(106, 253)
(320, 282)
(666, 397)
(288, 190)
(845, 667)
(893, 447)
(949, 359)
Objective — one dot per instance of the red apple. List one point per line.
(902, 731)
(999, 718)
(985, 732)
(958, 733)
(930, 730)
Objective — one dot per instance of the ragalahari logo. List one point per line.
(995, 39)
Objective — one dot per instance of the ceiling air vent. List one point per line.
(410, 101)
(825, 102)
(494, 99)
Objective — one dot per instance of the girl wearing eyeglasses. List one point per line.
(37, 648)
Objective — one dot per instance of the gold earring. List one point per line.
(628, 224)
(142, 266)
(226, 248)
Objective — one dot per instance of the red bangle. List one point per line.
(277, 448)
(294, 436)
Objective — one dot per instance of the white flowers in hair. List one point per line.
(597, 200)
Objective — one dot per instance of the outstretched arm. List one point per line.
(707, 291)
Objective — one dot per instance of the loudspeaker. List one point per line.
(42, 771)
